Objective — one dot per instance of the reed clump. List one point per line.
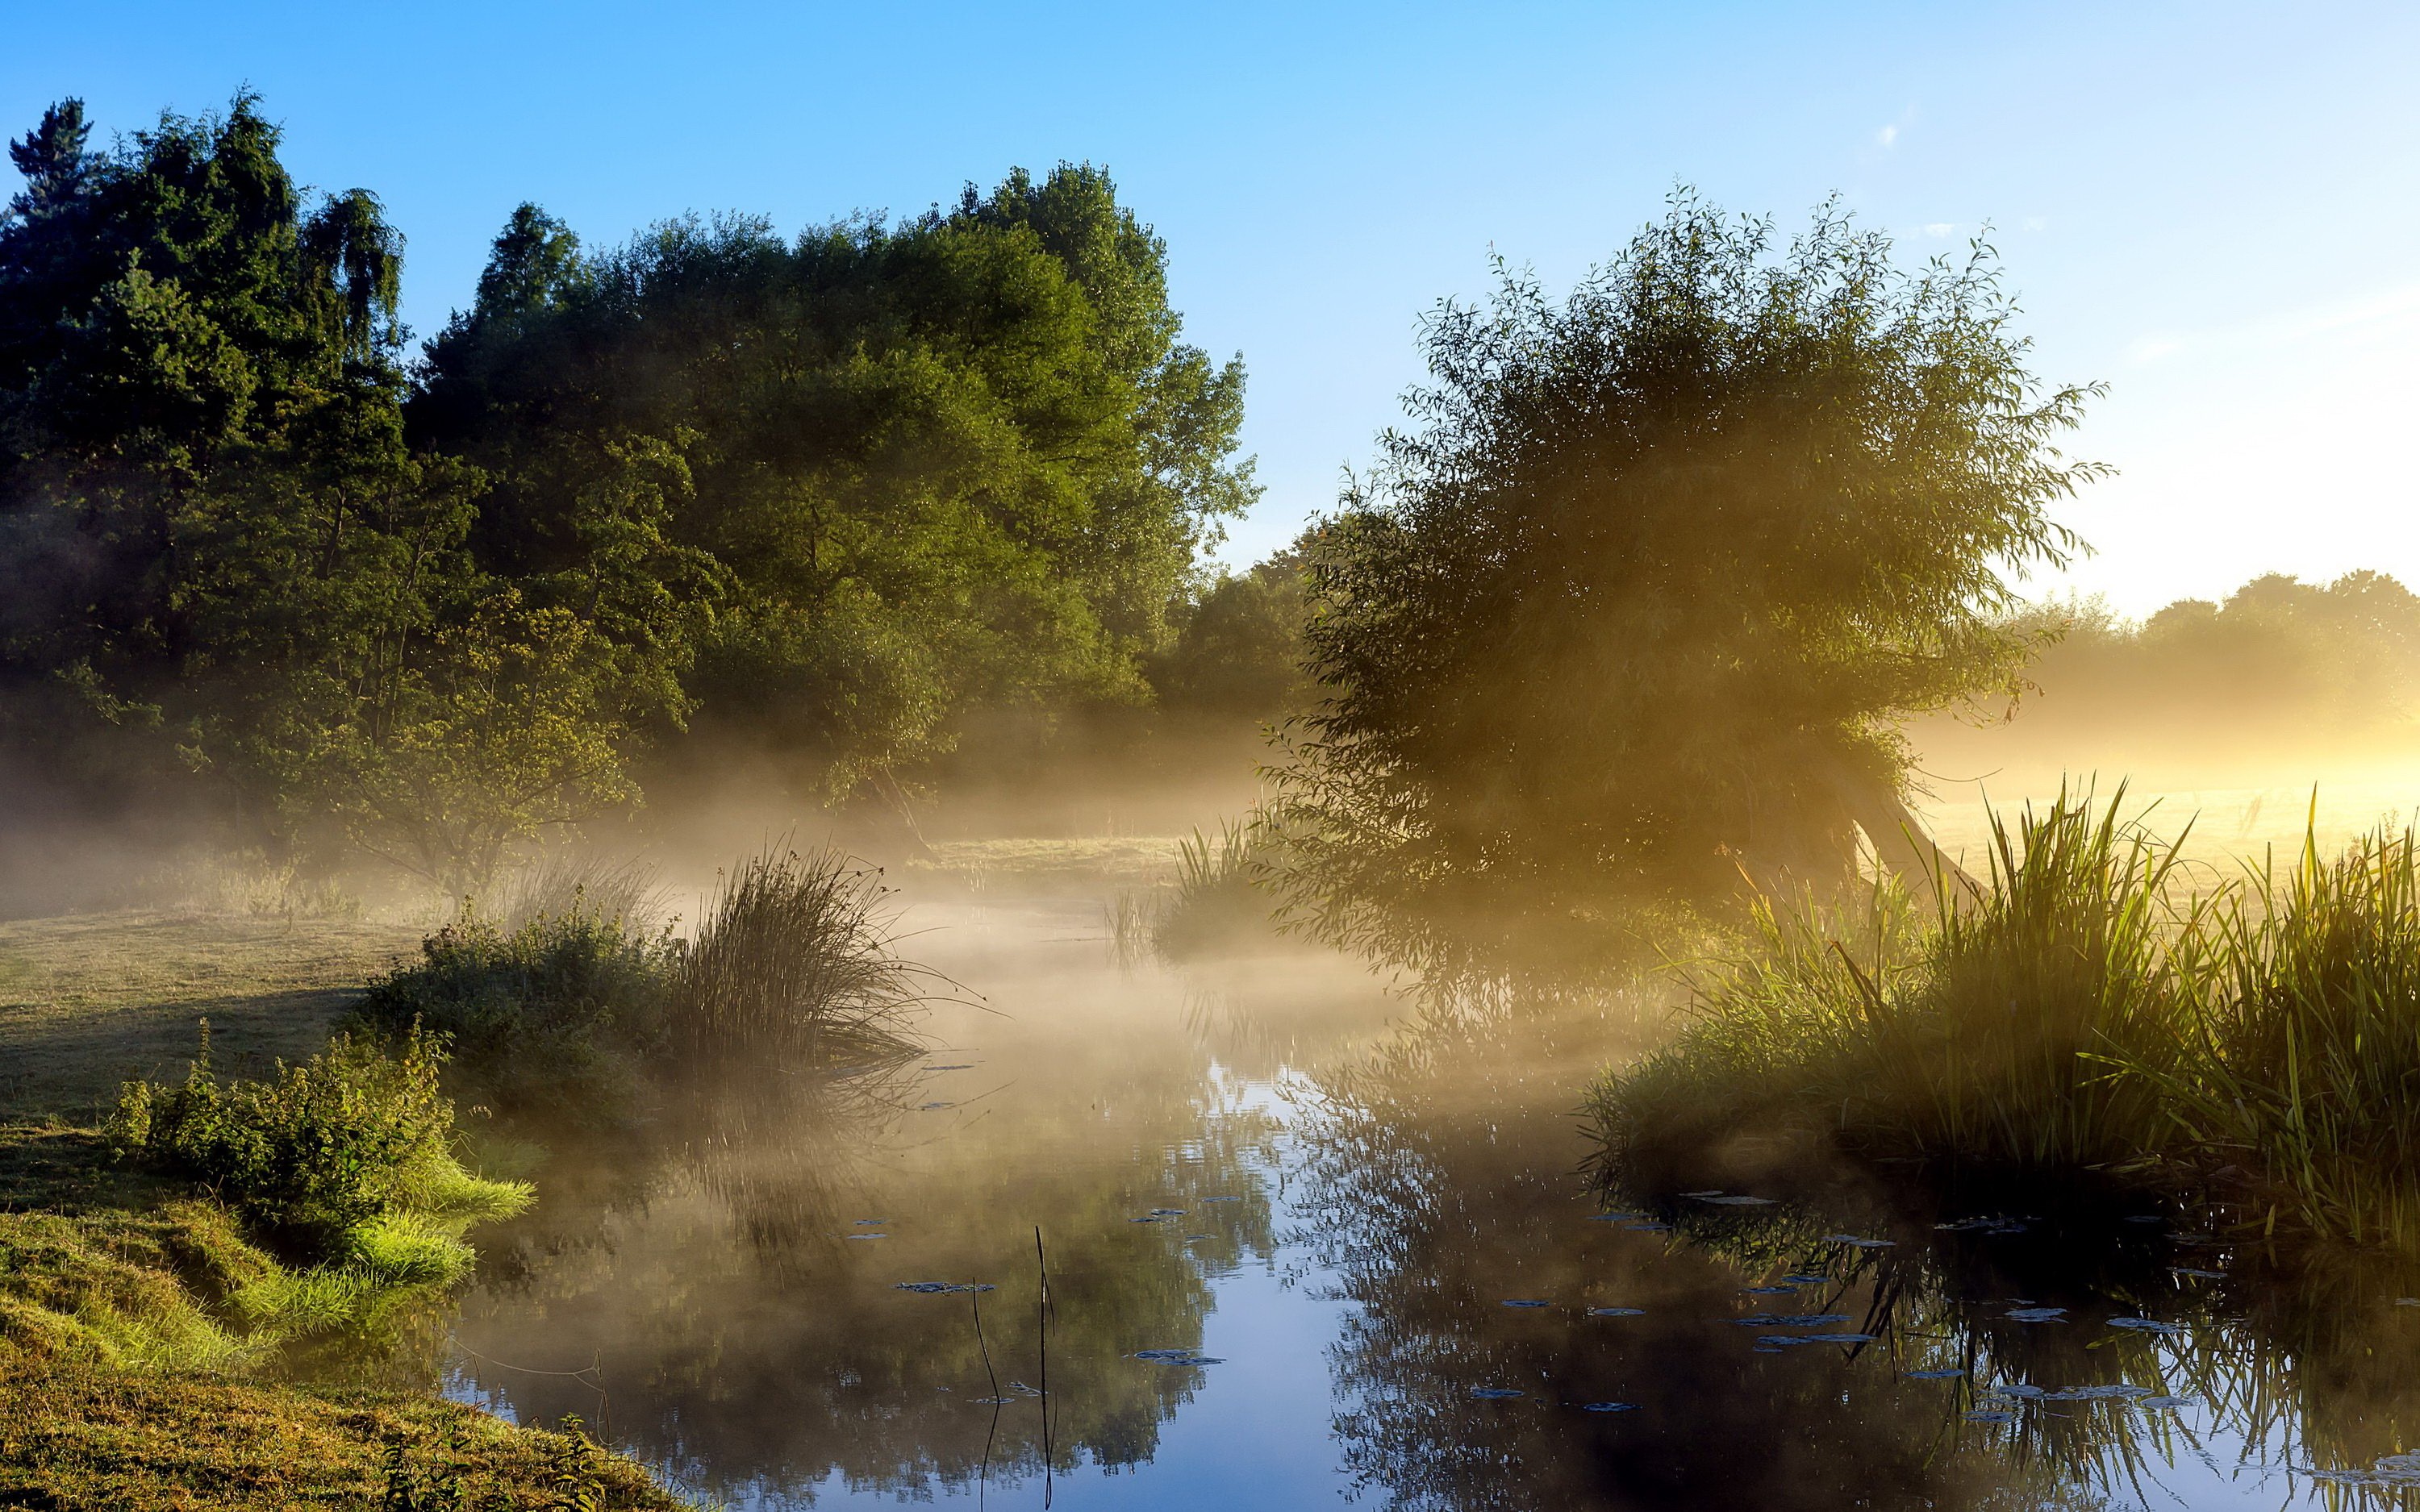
(2093, 1006)
(2306, 1068)
(577, 1012)
(1218, 902)
(794, 960)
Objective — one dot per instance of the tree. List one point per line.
(1639, 603)
(220, 566)
(911, 472)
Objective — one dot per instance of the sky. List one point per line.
(2211, 207)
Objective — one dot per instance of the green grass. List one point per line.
(135, 1303)
(74, 1436)
(87, 1001)
(2101, 1007)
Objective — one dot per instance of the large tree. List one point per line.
(1637, 602)
(910, 471)
(218, 563)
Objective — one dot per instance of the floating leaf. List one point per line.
(1523, 1301)
(1494, 1393)
(2145, 1325)
(1616, 1312)
(2037, 1315)
(1609, 1407)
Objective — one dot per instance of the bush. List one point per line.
(320, 1155)
(573, 1013)
(561, 1011)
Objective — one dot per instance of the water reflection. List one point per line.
(1375, 1223)
(784, 1307)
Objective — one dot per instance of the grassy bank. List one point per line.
(2250, 1045)
(157, 1261)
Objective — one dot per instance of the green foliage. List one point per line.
(223, 562)
(832, 497)
(915, 470)
(562, 1012)
(2257, 1049)
(1239, 651)
(1641, 599)
(322, 1154)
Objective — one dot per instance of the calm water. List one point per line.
(1370, 1274)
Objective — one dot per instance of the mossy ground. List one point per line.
(133, 1308)
(75, 1437)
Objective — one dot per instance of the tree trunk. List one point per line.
(1901, 841)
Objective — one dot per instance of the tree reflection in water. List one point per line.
(1441, 1180)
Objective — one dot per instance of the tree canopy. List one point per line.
(1638, 599)
(821, 496)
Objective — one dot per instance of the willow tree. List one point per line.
(1637, 603)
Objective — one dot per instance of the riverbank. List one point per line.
(141, 1318)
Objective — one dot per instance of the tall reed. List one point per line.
(795, 959)
(1986, 1035)
(2255, 1047)
(2306, 1069)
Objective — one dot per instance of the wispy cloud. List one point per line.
(1887, 136)
(2391, 316)
(1940, 229)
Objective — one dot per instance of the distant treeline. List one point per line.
(2279, 668)
(827, 502)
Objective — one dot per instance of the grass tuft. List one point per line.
(2255, 1047)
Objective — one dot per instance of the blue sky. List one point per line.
(2211, 207)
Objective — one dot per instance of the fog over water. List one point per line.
(1371, 1272)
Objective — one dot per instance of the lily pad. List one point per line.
(936, 1288)
(1494, 1393)
(1616, 1312)
(2036, 1315)
(1524, 1302)
(2146, 1325)
(1934, 1375)
(1739, 1202)
(2165, 1404)
(1609, 1407)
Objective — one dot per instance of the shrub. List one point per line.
(561, 1011)
(320, 1152)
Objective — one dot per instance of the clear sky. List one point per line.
(2212, 206)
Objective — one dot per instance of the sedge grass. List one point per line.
(2092, 1008)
